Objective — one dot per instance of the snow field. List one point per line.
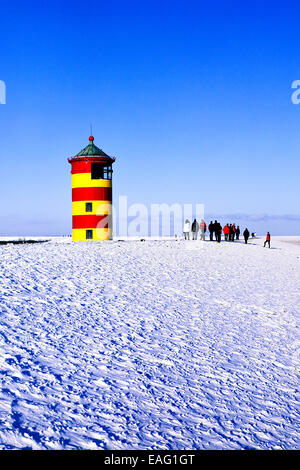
(149, 345)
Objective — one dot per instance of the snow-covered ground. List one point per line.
(149, 345)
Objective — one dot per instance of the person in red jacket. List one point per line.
(226, 232)
(268, 239)
(233, 230)
(203, 229)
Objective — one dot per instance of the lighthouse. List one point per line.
(91, 171)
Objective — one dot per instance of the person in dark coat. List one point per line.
(268, 240)
(246, 235)
(230, 232)
(211, 229)
(218, 232)
(237, 232)
(216, 225)
(195, 229)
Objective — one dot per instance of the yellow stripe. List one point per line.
(79, 234)
(98, 208)
(84, 180)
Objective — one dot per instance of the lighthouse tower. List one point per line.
(91, 171)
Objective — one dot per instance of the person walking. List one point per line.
(233, 230)
(195, 229)
(226, 232)
(203, 229)
(230, 232)
(268, 240)
(211, 229)
(218, 232)
(216, 225)
(237, 232)
(246, 235)
(187, 229)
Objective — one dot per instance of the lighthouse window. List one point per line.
(89, 234)
(88, 207)
(100, 172)
(107, 172)
(96, 171)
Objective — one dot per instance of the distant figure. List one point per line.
(233, 229)
(253, 234)
(268, 240)
(211, 229)
(187, 229)
(237, 232)
(230, 232)
(216, 225)
(195, 229)
(203, 229)
(218, 231)
(226, 232)
(246, 235)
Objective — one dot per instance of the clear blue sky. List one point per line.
(193, 98)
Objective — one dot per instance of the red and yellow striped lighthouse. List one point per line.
(91, 194)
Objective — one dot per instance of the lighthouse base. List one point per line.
(93, 234)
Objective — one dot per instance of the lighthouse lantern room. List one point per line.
(91, 171)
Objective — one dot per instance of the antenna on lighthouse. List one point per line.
(91, 138)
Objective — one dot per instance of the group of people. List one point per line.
(194, 229)
(231, 231)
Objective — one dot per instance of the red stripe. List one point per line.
(81, 167)
(84, 165)
(91, 194)
(90, 221)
